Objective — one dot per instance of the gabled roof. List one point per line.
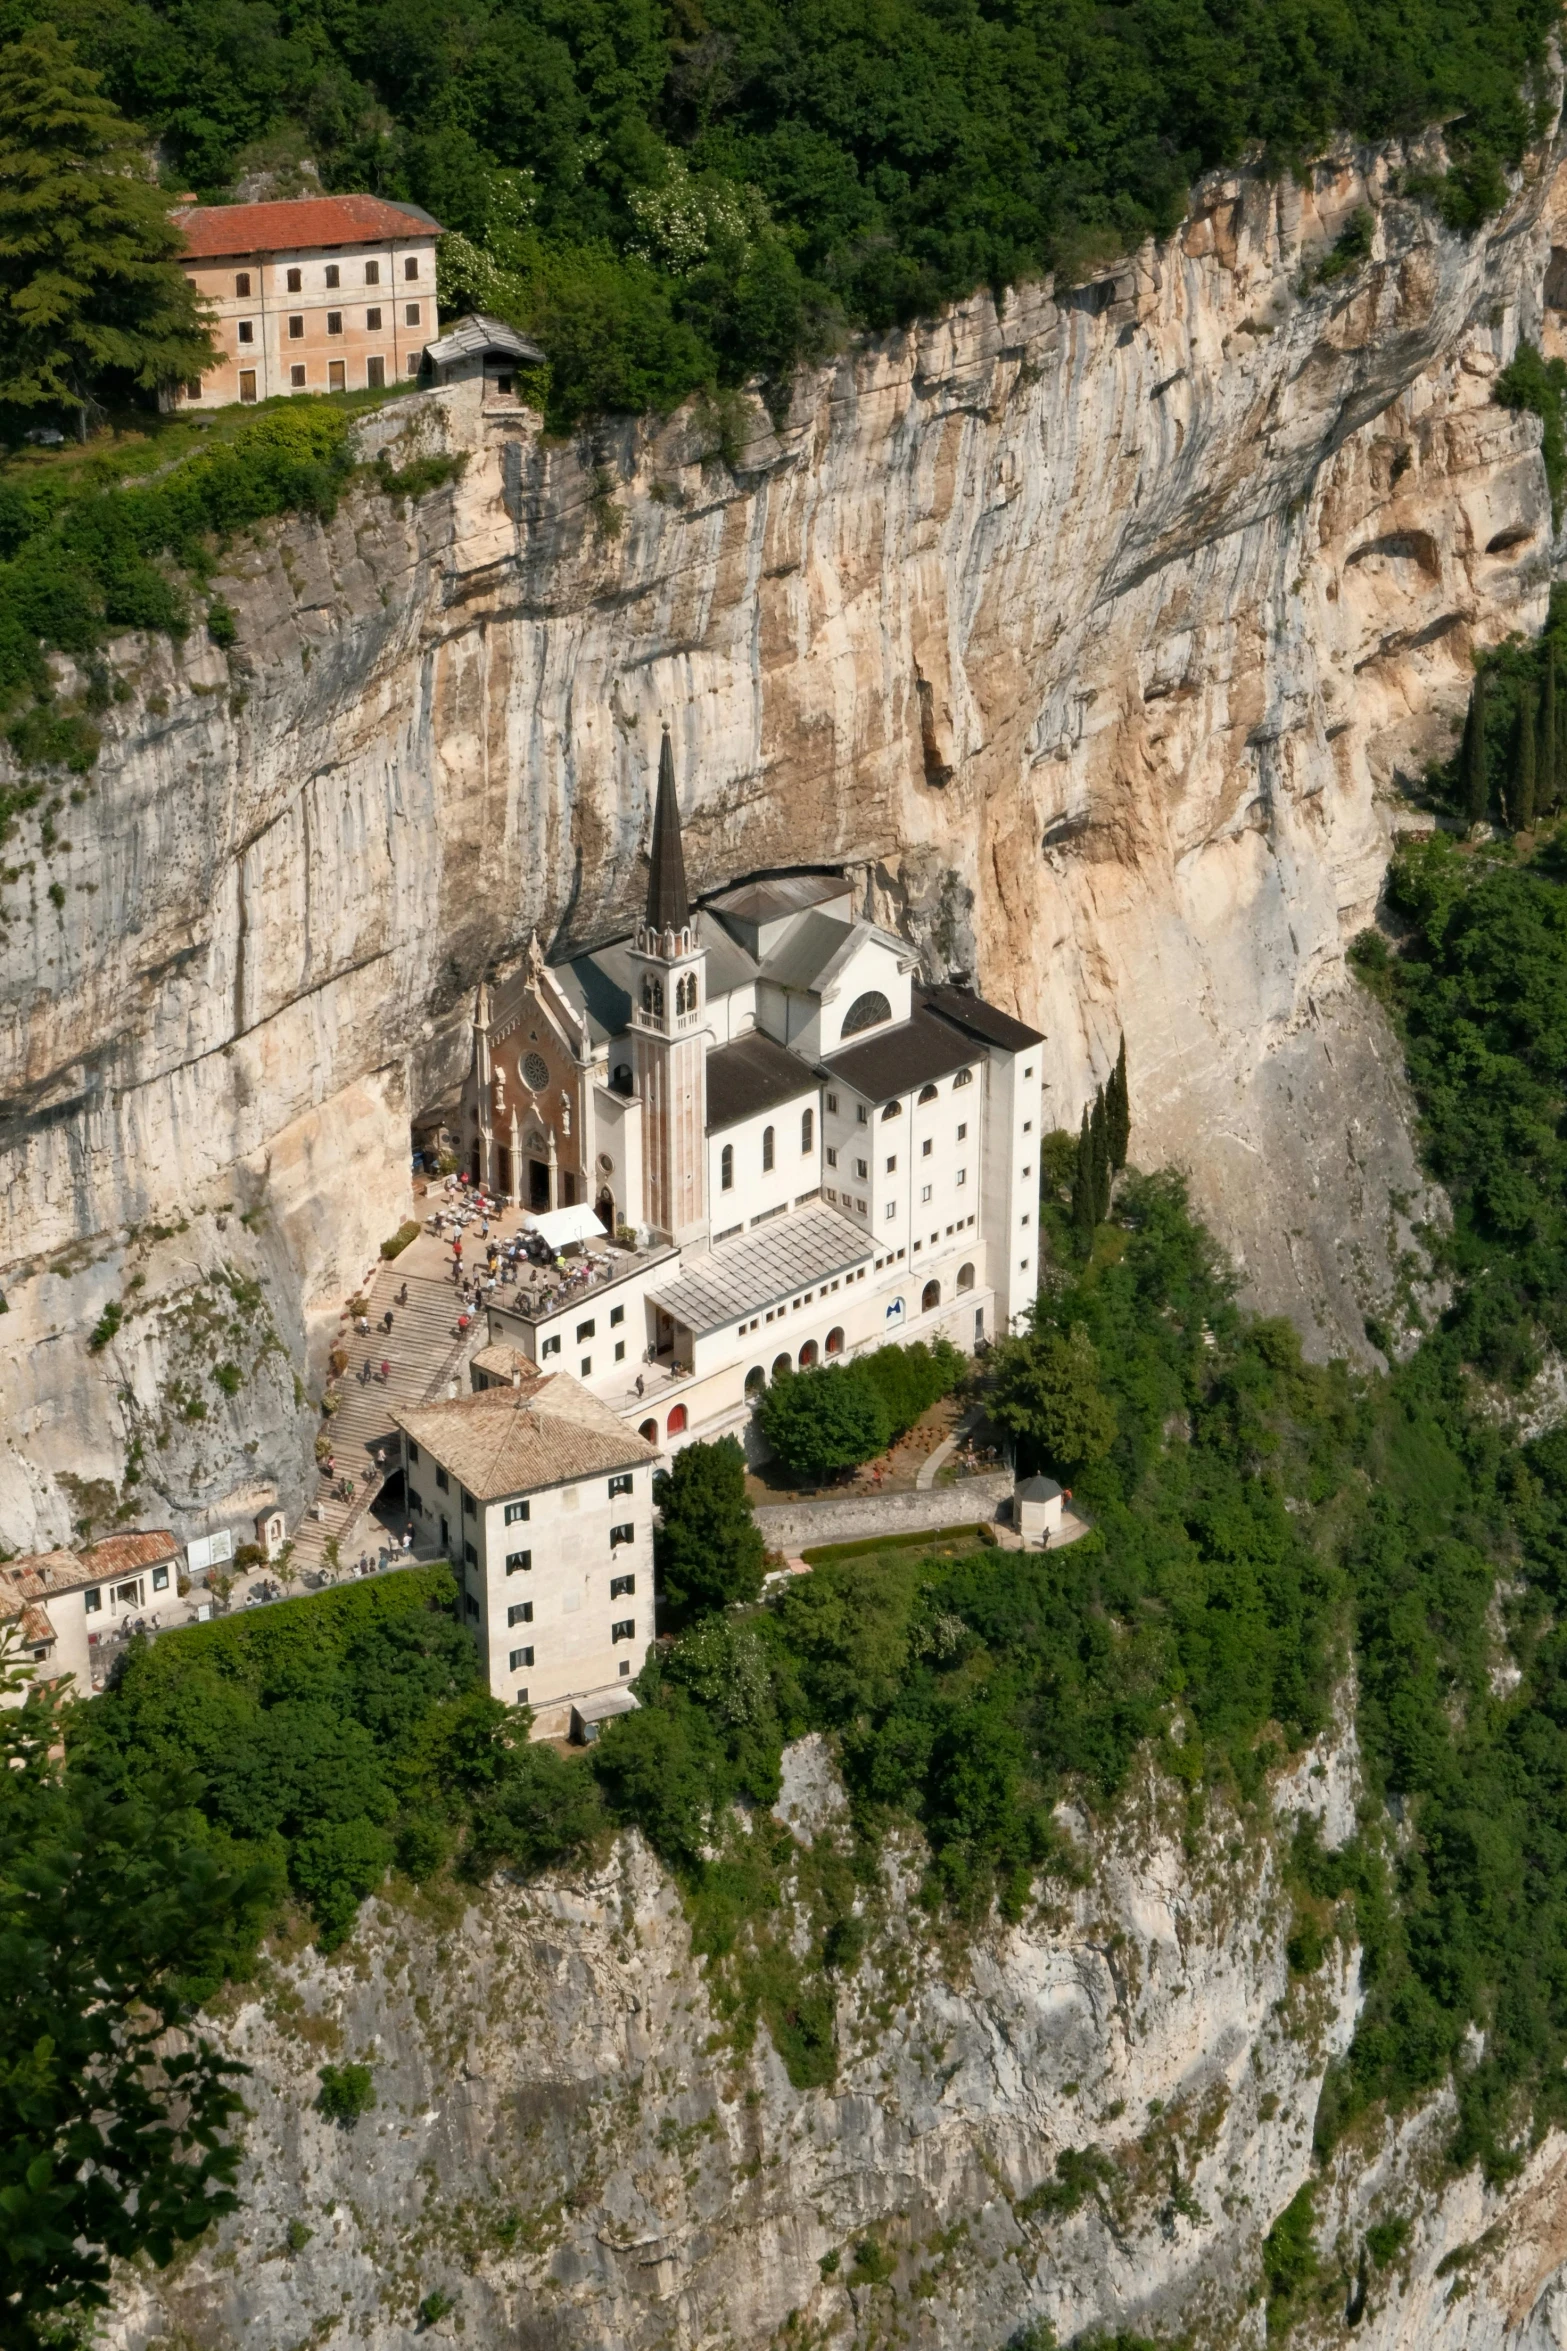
(895, 1060)
(127, 1555)
(501, 1441)
(778, 895)
(599, 980)
(739, 1278)
(293, 224)
(471, 337)
(751, 1075)
(36, 1577)
(979, 1019)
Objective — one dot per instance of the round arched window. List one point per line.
(535, 1072)
(755, 1380)
(965, 1277)
(835, 1341)
(866, 1012)
(649, 1431)
(677, 1421)
(930, 1297)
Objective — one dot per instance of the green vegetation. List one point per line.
(92, 297)
(400, 1240)
(347, 2092)
(829, 1418)
(1538, 385)
(1511, 762)
(675, 198)
(707, 1551)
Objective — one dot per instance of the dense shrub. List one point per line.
(707, 1550)
(832, 1417)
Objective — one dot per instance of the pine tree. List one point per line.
(1471, 759)
(1099, 1140)
(90, 283)
(1546, 775)
(1085, 1203)
(1524, 784)
(1118, 1103)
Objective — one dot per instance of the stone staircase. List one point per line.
(425, 1352)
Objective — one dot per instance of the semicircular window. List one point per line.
(535, 1072)
(866, 1012)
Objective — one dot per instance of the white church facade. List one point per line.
(797, 1150)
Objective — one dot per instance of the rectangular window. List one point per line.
(617, 1315)
(411, 364)
(891, 1210)
(247, 332)
(552, 1346)
(411, 314)
(516, 1511)
(620, 1485)
(413, 1450)
(372, 273)
(585, 1368)
(469, 1506)
(193, 388)
(1028, 1073)
(621, 1535)
(296, 327)
(962, 1176)
(375, 374)
(521, 1658)
(334, 322)
(373, 321)
(862, 1169)
(160, 1579)
(862, 1114)
(126, 1595)
(411, 266)
(832, 1155)
(522, 1613)
(522, 1697)
(1028, 1126)
(625, 1630)
(892, 1165)
(296, 281)
(296, 378)
(470, 1555)
(585, 1330)
(442, 1480)
(242, 284)
(92, 1601)
(1023, 1219)
(470, 1604)
(336, 375)
(622, 1587)
(518, 1562)
(926, 1148)
(963, 1131)
(924, 1191)
(620, 1350)
(332, 277)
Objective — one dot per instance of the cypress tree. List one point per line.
(1084, 1202)
(1118, 1103)
(1471, 759)
(1099, 1139)
(1524, 786)
(1545, 782)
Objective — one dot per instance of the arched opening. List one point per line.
(927, 1093)
(755, 1380)
(965, 1277)
(605, 1209)
(866, 1012)
(621, 1081)
(782, 1366)
(892, 1110)
(835, 1341)
(767, 1150)
(965, 1077)
(726, 1168)
(675, 1426)
(807, 1132)
(647, 1430)
(930, 1297)
(808, 1354)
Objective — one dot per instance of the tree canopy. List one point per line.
(708, 1550)
(91, 293)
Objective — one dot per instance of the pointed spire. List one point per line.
(481, 1006)
(668, 907)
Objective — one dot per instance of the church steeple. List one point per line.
(668, 907)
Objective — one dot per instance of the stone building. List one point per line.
(312, 294)
(800, 1150)
(542, 1499)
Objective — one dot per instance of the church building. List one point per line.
(795, 1148)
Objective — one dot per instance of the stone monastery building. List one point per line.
(803, 1150)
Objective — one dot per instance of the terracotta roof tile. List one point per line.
(212, 230)
(127, 1555)
(35, 1577)
(508, 1440)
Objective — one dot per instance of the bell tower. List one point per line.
(669, 1031)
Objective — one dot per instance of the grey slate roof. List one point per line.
(778, 895)
(751, 1075)
(971, 1012)
(896, 1060)
(779, 1260)
(478, 333)
(600, 979)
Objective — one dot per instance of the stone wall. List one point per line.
(789, 1526)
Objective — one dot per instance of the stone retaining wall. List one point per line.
(790, 1526)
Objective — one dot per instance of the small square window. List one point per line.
(522, 1697)
(586, 1330)
(160, 1579)
(926, 1148)
(962, 1176)
(1028, 1073)
(522, 1613)
(411, 266)
(520, 1660)
(924, 1191)
(892, 1164)
(411, 314)
(552, 1346)
(442, 1480)
(332, 277)
(296, 281)
(962, 1131)
(373, 321)
(1028, 1126)
(622, 1587)
(625, 1630)
(372, 273)
(296, 378)
(620, 1485)
(891, 1210)
(516, 1511)
(617, 1315)
(334, 322)
(518, 1562)
(247, 333)
(92, 1602)
(621, 1535)
(585, 1368)
(625, 1668)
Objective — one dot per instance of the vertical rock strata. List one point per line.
(1094, 634)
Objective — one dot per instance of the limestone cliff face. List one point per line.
(570, 2149)
(1093, 635)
